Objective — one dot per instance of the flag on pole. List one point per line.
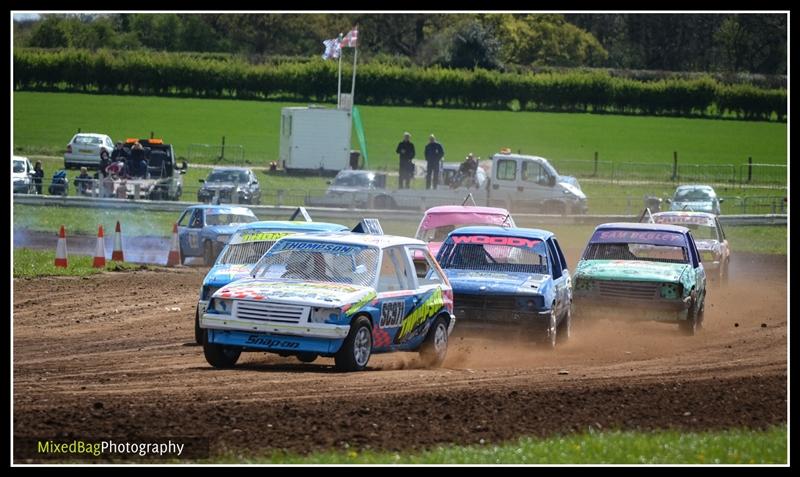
(333, 49)
(350, 39)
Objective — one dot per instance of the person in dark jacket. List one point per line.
(83, 183)
(138, 165)
(38, 175)
(119, 153)
(434, 152)
(105, 161)
(406, 151)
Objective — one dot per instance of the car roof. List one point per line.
(230, 169)
(293, 225)
(642, 226)
(91, 134)
(503, 231)
(451, 209)
(380, 241)
(684, 213)
(224, 209)
(695, 186)
(19, 158)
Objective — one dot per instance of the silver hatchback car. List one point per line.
(84, 150)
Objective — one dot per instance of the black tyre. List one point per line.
(384, 202)
(198, 332)
(550, 337)
(220, 356)
(434, 349)
(565, 328)
(307, 357)
(208, 253)
(357, 347)
(693, 322)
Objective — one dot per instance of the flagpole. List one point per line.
(339, 90)
(353, 88)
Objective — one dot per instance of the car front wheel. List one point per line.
(220, 356)
(565, 328)
(551, 333)
(357, 347)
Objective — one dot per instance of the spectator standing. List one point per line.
(83, 183)
(405, 149)
(468, 170)
(105, 161)
(119, 153)
(434, 152)
(38, 176)
(137, 161)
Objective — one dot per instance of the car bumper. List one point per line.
(275, 342)
(82, 160)
(313, 330)
(482, 318)
(587, 306)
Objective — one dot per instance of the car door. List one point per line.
(191, 245)
(397, 300)
(559, 280)
(505, 182)
(535, 186)
(564, 269)
(699, 271)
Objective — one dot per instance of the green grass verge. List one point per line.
(40, 263)
(44, 122)
(662, 447)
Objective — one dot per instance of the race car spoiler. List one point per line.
(368, 226)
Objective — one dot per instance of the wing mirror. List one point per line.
(669, 201)
(328, 182)
(551, 181)
(721, 200)
(202, 181)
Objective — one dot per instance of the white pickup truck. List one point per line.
(516, 182)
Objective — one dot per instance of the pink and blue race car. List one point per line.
(513, 279)
(339, 295)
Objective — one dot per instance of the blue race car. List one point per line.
(509, 278)
(203, 230)
(244, 249)
(340, 295)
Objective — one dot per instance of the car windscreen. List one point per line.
(248, 246)
(692, 195)
(642, 245)
(439, 234)
(87, 140)
(481, 252)
(227, 176)
(19, 166)
(224, 219)
(319, 262)
(353, 180)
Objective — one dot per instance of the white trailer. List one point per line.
(315, 139)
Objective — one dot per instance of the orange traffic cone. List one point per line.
(99, 252)
(174, 257)
(61, 249)
(117, 254)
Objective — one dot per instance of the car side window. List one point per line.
(427, 274)
(694, 256)
(561, 256)
(196, 222)
(184, 218)
(507, 169)
(390, 278)
(533, 172)
(555, 262)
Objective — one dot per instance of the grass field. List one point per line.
(44, 122)
(39, 263)
(662, 447)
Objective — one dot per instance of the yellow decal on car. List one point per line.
(427, 309)
(361, 303)
(262, 236)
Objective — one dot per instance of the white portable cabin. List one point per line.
(315, 139)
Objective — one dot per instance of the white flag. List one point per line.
(333, 49)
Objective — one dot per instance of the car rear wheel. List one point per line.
(208, 253)
(220, 356)
(693, 322)
(434, 349)
(357, 347)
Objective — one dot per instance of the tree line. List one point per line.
(729, 42)
(204, 75)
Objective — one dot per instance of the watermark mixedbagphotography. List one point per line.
(107, 448)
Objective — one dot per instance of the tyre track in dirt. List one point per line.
(110, 355)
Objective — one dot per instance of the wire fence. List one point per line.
(770, 176)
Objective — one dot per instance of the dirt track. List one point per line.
(112, 355)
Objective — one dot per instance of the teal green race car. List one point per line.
(644, 272)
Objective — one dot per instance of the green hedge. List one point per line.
(148, 73)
